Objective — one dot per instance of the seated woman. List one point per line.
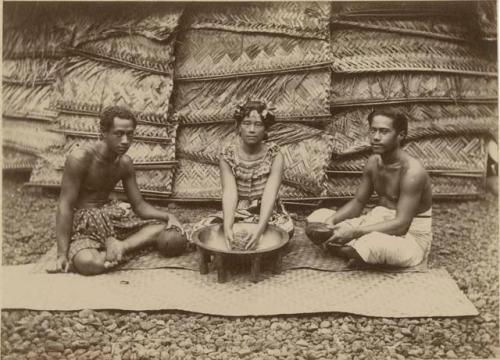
(251, 173)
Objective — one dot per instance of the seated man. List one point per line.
(398, 231)
(94, 233)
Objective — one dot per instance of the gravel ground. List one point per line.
(465, 243)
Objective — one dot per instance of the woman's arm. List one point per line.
(229, 199)
(269, 197)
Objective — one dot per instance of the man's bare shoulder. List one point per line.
(80, 156)
(415, 170)
(126, 163)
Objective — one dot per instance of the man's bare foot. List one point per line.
(115, 249)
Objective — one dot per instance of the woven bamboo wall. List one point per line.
(109, 56)
(424, 59)
(324, 66)
(278, 52)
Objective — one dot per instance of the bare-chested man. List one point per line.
(94, 233)
(398, 231)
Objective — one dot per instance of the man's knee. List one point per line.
(171, 242)
(89, 262)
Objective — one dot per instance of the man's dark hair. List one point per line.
(399, 118)
(109, 114)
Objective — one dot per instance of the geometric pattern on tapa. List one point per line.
(363, 50)
(29, 136)
(29, 101)
(350, 127)
(197, 180)
(89, 86)
(301, 96)
(30, 71)
(464, 152)
(89, 125)
(133, 51)
(368, 293)
(372, 89)
(344, 186)
(205, 54)
(306, 19)
(203, 143)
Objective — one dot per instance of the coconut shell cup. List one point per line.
(318, 232)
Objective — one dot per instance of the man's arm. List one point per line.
(412, 186)
(74, 171)
(140, 206)
(354, 207)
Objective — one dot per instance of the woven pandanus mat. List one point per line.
(196, 180)
(301, 96)
(33, 40)
(401, 9)
(350, 127)
(26, 101)
(94, 21)
(433, 19)
(88, 126)
(37, 71)
(157, 181)
(204, 143)
(133, 51)
(443, 28)
(29, 136)
(464, 152)
(293, 18)
(45, 174)
(208, 54)
(14, 160)
(486, 18)
(139, 151)
(305, 160)
(88, 86)
(368, 293)
(300, 253)
(341, 185)
(375, 89)
(48, 171)
(357, 51)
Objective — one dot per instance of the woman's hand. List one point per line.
(253, 240)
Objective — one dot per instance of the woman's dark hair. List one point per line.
(399, 118)
(242, 111)
(109, 114)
